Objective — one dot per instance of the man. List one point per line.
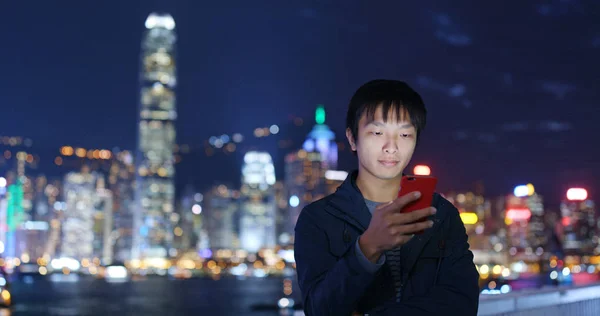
(356, 253)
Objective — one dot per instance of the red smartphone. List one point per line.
(424, 184)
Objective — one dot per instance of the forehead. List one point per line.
(386, 114)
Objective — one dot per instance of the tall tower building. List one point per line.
(310, 172)
(155, 187)
(258, 207)
(321, 139)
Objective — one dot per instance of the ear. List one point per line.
(351, 140)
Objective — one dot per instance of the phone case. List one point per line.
(424, 184)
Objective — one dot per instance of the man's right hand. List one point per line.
(389, 228)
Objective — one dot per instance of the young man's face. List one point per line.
(384, 148)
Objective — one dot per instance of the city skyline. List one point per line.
(155, 156)
(509, 122)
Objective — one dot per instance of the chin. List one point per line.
(387, 175)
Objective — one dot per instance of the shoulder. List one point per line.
(441, 203)
(313, 213)
(318, 205)
(453, 224)
(446, 210)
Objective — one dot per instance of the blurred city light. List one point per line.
(521, 191)
(294, 201)
(196, 209)
(422, 170)
(237, 137)
(160, 21)
(337, 175)
(274, 129)
(577, 194)
(468, 218)
(518, 214)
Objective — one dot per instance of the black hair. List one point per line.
(390, 95)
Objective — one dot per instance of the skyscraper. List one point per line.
(321, 139)
(304, 183)
(310, 172)
(220, 205)
(524, 218)
(258, 207)
(78, 222)
(579, 223)
(121, 183)
(155, 188)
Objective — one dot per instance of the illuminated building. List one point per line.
(536, 233)
(304, 183)
(524, 217)
(87, 218)
(258, 206)
(305, 169)
(40, 201)
(220, 207)
(103, 223)
(14, 214)
(119, 167)
(155, 188)
(3, 209)
(189, 215)
(579, 223)
(321, 139)
(78, 220)
(121, 176)
(33, 232)
(474, 209)
(32, 238)
(281, 218)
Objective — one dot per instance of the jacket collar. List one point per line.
(348, 204)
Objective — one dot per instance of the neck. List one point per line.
(378, 190)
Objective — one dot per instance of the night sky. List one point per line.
(511, 86)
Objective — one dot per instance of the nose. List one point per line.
(390, 147)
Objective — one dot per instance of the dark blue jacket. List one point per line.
(437, 266)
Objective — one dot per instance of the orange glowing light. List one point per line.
(80, 152)
(422, 170)
(66, 151)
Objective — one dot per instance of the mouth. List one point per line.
(389, 163)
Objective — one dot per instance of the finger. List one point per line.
(405, 218)
(419, 214)
(402, 201)
(409, 229)
(403, 239)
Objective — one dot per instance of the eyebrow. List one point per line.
(381, 124)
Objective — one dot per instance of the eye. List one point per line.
(378, 133)
(405, 135)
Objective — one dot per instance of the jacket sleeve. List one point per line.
(457, 289)
(330, 285)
